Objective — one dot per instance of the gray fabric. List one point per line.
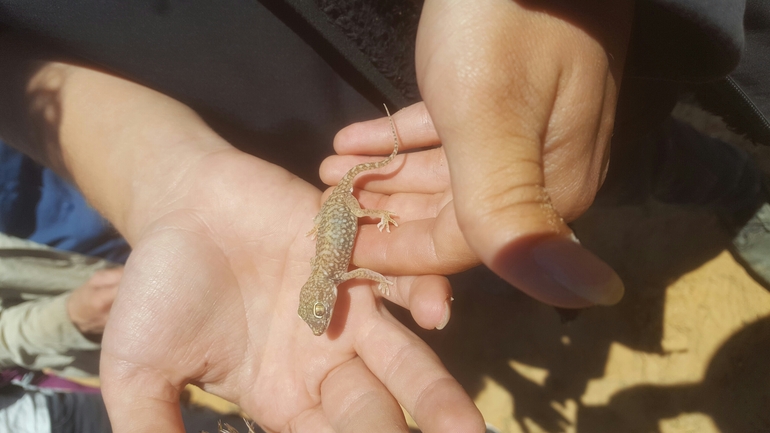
(45, 411)
(23, 412)
(30, 270)
(35, 330)
(77, 413)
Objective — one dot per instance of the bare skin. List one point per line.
(88, 307)
(191, 279)
(219, 254)
(523, 106)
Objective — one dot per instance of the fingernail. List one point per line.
(447, 314)
(578, 270)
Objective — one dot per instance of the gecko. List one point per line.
(335, 229)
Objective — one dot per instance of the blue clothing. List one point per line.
(38, 205)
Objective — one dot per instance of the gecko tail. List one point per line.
(395, 136)
(353, 172)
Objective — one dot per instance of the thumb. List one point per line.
(139, 399)
(506, 216)
(491, 91)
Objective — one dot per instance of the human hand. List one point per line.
(523, 102)
(211, 289)
(89, 305)
(210, 297)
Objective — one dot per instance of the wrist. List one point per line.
(125, 146)
(122, 144)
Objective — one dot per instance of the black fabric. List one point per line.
(294, 71)
(734, 103)
(686, 40)
(385, 31)
(753, 72)
(73, 412)
(230, 59)
(743, 98)
(330, 32)
(692, 45)
(694, 169)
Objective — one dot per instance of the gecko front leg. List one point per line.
(369, 274)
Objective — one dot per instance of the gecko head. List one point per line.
(316, 305)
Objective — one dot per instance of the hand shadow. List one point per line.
(650, 245)
(735, 392)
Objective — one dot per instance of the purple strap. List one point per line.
(23, 377)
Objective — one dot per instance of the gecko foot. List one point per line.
(385, 220)
(312, 232)
(384, 287)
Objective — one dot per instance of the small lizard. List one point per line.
(335, 228)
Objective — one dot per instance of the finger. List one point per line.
(406, 206)
(355, 401)
(493, 138)
(414, 128)
(139, 400)
(427, 297)
(417, 379)
(509, 221)
(422, 172)
(427, 240)
(420, 247)
(311, 421)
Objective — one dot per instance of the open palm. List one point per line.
(210, 297)
(418, 187)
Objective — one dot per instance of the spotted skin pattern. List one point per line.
(335, 229)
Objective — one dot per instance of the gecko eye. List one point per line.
(319, 310)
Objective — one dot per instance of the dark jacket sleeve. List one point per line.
(686, 40)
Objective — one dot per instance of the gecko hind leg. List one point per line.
(386, 217)
(369, 275)
(312, 232)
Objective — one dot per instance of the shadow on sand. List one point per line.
(650, 245)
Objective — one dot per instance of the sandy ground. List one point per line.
(687, 350)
